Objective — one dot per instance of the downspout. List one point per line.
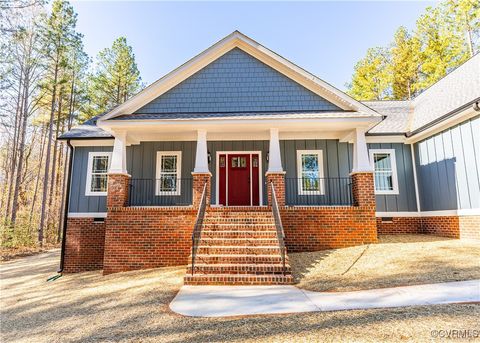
(66, 208)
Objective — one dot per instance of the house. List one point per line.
(239, 155)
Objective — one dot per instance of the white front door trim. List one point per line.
(217, 175)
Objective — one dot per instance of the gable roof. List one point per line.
(458, 88)
(397, 114)
(455, 92)
(246, 44)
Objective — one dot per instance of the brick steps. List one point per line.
(239, 234)
(238, 242)
(232, 268)
(237, 258)
(239, 279)
(247, 250)
(239, 227)
(238, 247)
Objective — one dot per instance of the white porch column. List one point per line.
(274, 158)
(361, 161)
(118, 165)
(201, 158)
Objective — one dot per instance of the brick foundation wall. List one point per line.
(312, 228)
(469, 227)
(400, 225)
(465, 227)
(141, 238)
(84, 246)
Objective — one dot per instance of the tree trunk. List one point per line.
(14, 145)
(37, 181)
(47, 157)
(23, 133)
(53, 176)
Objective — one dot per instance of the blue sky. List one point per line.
(325, 38)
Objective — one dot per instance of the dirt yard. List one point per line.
(133, 306)
(397, 260)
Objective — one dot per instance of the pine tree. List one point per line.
(442, 48)
(466, 18)
(58, 31)
(116, 77)
(371, 79)
(405, 64)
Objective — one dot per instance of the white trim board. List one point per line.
(445, 213)
(87, 215)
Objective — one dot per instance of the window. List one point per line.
(384, 164)
(97, 179)
(168, 172)
(310, 172)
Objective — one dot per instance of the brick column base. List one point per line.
(363, 190)
(278, 180)
(199, 180)
(118, 189)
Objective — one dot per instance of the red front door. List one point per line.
(239, 179)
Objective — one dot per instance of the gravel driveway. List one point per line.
(133, 306)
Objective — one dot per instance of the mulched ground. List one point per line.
(133, 307)
(397, 260)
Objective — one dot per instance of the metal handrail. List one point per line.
(197, 229)
(278, 226)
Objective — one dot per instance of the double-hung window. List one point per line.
(169, 170)
(97, 178)
(385, 167)
(310, 172)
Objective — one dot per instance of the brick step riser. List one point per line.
(257, 270)
(249, 242)
(240, 227)
(239, 220)
(226, 250)
(247, 259)
(239, 214)
(236, 280)
(239, 234)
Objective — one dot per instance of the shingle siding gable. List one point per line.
(237, 82)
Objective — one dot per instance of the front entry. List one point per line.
(239, 179)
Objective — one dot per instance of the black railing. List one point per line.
(160, 192)
(278, 226)
(197, 229)
(319, 191)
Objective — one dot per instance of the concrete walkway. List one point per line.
(223, 301)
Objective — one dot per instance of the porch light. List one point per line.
(267, 155)
(209, 157)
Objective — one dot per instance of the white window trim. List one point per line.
(88, 184)
(393, 161)
(159, 172)
(319, 153)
